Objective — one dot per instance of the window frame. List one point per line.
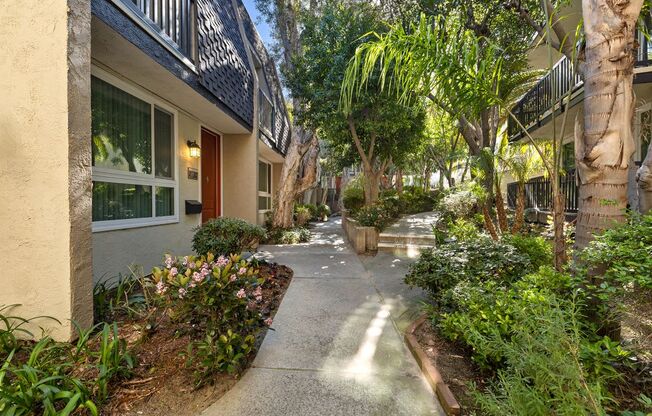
(270, 192)
(100, 174)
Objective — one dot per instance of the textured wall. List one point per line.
(45, 161)
(223, 65)
(240, 183)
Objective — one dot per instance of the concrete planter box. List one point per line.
(363, 239)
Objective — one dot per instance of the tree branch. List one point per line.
(356, 140)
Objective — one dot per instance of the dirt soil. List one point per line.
(161, 384)
(453, 362)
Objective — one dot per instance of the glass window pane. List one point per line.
(121, 129)
(264, 203)
(164, 160)
(262, 177)
(164, 201)
(118, 201)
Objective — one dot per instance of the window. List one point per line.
(264, 186)
(133, 147)
(266, 116)
(568, 156)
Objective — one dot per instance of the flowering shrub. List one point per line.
(373, 216)
(460, 202)
(217, 298)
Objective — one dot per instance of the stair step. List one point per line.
(407, 239)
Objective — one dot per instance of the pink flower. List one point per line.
(258, 293)
(222, 261)
(168, 261)
(198, 277)
(185, 261)
(161, 288)
(192, 284)
(241, 294)
(242, 270)
(268, 321)
(174, 271)
(232, 278)
(182, 292)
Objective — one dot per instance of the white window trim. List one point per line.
(116, 176)
(271, 190)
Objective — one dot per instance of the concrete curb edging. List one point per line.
(444, 394)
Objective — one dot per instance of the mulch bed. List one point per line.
(453, 361)
(161, 384)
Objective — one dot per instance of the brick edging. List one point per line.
(446, 397)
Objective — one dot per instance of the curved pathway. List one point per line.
(335, 348)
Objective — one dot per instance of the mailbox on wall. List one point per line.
(193, 207)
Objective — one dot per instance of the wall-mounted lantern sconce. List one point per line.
(193, 149)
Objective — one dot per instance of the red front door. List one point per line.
(211, 182)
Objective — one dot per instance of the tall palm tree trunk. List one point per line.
(501, 213)
(604, 147)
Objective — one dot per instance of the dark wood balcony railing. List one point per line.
(536, 105)
(538, 192)
(175, 20)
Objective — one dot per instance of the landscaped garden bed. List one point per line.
(161, 383)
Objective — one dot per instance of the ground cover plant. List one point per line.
(527, 327)
(177, 336)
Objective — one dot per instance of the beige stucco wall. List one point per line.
(240, 176)
(45, 162)
(115, 251)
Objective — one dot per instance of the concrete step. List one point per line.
(409, 250)
(407, 239)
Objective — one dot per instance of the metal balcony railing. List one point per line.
(538, 192)
(534, 108)
(175, 20)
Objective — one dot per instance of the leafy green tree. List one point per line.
(376, 129)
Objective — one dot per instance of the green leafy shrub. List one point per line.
(302, 215)
(459, 202)
(212, 296)
(626, 251)
(225, 236)
(463, 230)
(353, 195)
(323, 211)
(543, 373)
(373, 216)
(480, 310)
(288, 236)
(536, 248)
(415, 200)
(443, 267)
(120, 295)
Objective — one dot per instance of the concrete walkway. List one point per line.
(335, 348)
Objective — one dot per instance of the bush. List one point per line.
(302, 214)
(323, 212)
(441, 268)
(353, 195)
(543, 373)
(536, 248)
(226, 236)
(373, 216)
(288, 236)
(211, 296)
(463, 230)
(415, 200)
(459, 202)
(626, 251)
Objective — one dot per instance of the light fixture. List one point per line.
(193, 149)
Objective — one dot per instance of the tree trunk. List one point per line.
(488, 221)
(519, 213)
(644, 180)
(290, 185)
(500, 210)
(605, 144)
(559, 240)
(399, 181)
(371, 185)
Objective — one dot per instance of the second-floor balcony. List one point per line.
(173, 22)
(536, 106)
